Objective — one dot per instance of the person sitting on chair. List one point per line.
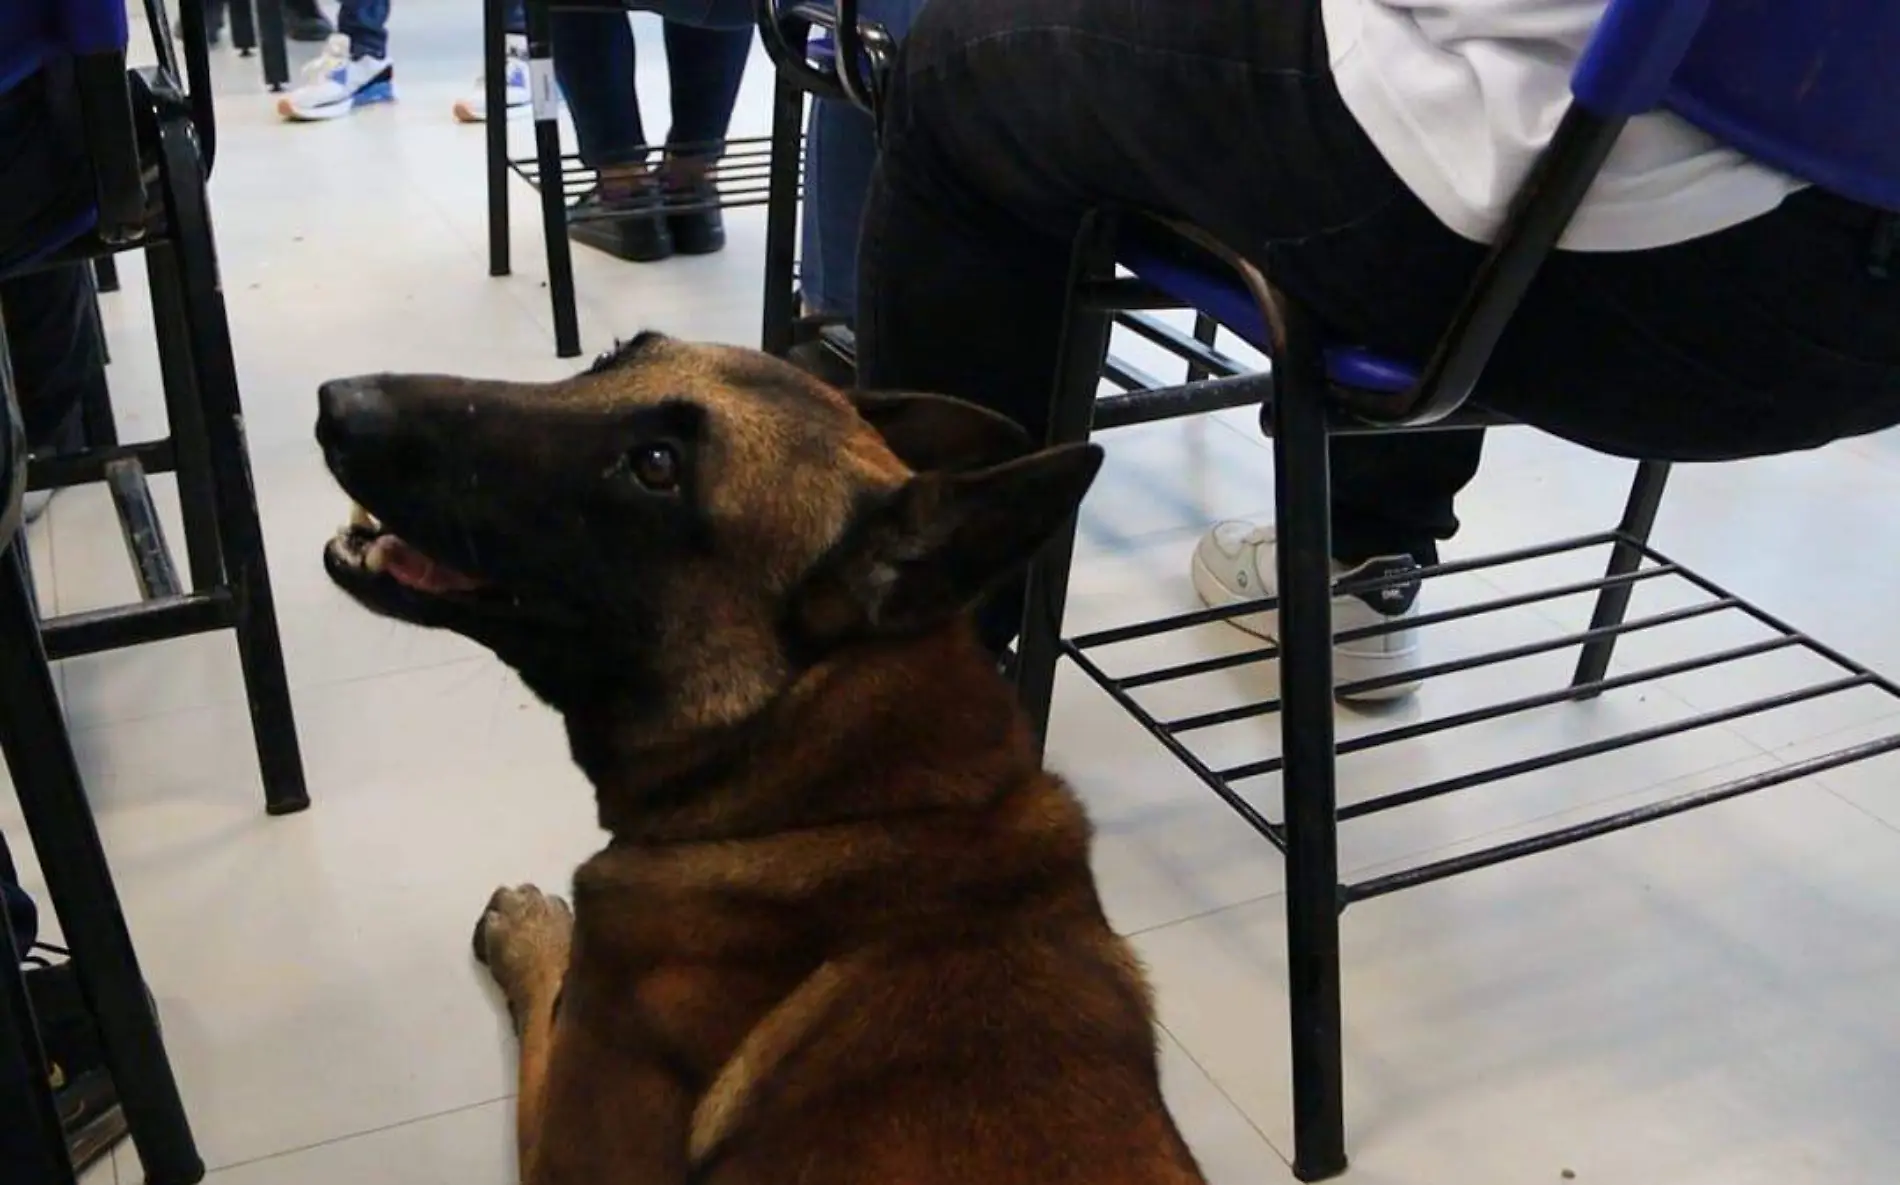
(1702, 305)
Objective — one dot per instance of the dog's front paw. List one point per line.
(522, 932)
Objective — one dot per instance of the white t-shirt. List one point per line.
(1460, 96)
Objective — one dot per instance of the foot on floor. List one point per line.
(1236, 562)
(336, 84)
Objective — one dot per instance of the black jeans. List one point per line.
(45, 182)
(1010, 118)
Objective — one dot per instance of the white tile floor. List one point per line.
(1710, 1000)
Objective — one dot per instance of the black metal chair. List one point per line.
(151, 147)
(59, 820)
(1805, 106)
(748, 172)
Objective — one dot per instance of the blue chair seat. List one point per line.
(1225, 299)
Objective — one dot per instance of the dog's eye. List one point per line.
(655, 466)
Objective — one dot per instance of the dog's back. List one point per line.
(950, 1004)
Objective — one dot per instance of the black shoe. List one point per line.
(821, 361)
(693, 217)
(88, 1104)
(630, 227)
(304, 21)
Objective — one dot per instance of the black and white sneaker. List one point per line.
(1235, 562)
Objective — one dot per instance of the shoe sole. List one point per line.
(603, 234)
(377, 92)
(465, 111)
(1349, 665)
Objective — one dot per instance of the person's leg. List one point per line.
(366, 24)
(595, 65)
(1010, 118)
(1392, 492)
(53, 343)
(840, 150)
(303, 20)
(704, 68)
(52, 338)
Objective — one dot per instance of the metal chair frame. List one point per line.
(1301, 407)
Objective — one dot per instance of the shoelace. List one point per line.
(336, 52)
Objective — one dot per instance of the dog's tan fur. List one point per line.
(845, 931)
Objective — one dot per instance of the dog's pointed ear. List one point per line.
(934, 546)
(938, 434)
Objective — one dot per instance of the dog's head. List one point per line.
(683, 529)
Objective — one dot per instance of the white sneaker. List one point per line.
(473, 107)
(1235, 562)
(336, 84)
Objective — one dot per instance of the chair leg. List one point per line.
(781, 216)
(547, 155)
(1206, 330)
(53, 802)
(98, 425)
(1632, 534)
(184, 412)
(495, 132)
(1304, 520)
(105, 271)
(243, 27)
(270, 39)
(260, 648)
(1084, 344)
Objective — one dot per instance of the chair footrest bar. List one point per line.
(144, 534)
(1708, 701)
(1565, 836)
(741, 178)
(1493, 658)
(1208, 666)
(1410, 732)
(1498, 773)
(74, 634)
(78, 469)
(1199, 617)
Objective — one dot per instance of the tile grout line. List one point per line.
(355, 1135)
(1222, 1091)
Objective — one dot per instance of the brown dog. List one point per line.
(845, 932)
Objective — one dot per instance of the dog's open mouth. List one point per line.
(366, 547)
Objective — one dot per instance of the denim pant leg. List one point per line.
(840, 149)
(45, 190)
(594, 63)
(366, 24)
(704, 68)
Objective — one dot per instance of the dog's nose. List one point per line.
(354, 409)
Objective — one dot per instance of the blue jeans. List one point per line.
(707, 44)
(366, 24)
(840, 148)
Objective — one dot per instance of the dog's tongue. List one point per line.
(411, 568)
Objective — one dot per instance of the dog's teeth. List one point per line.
(376, 555)
(362, 518)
